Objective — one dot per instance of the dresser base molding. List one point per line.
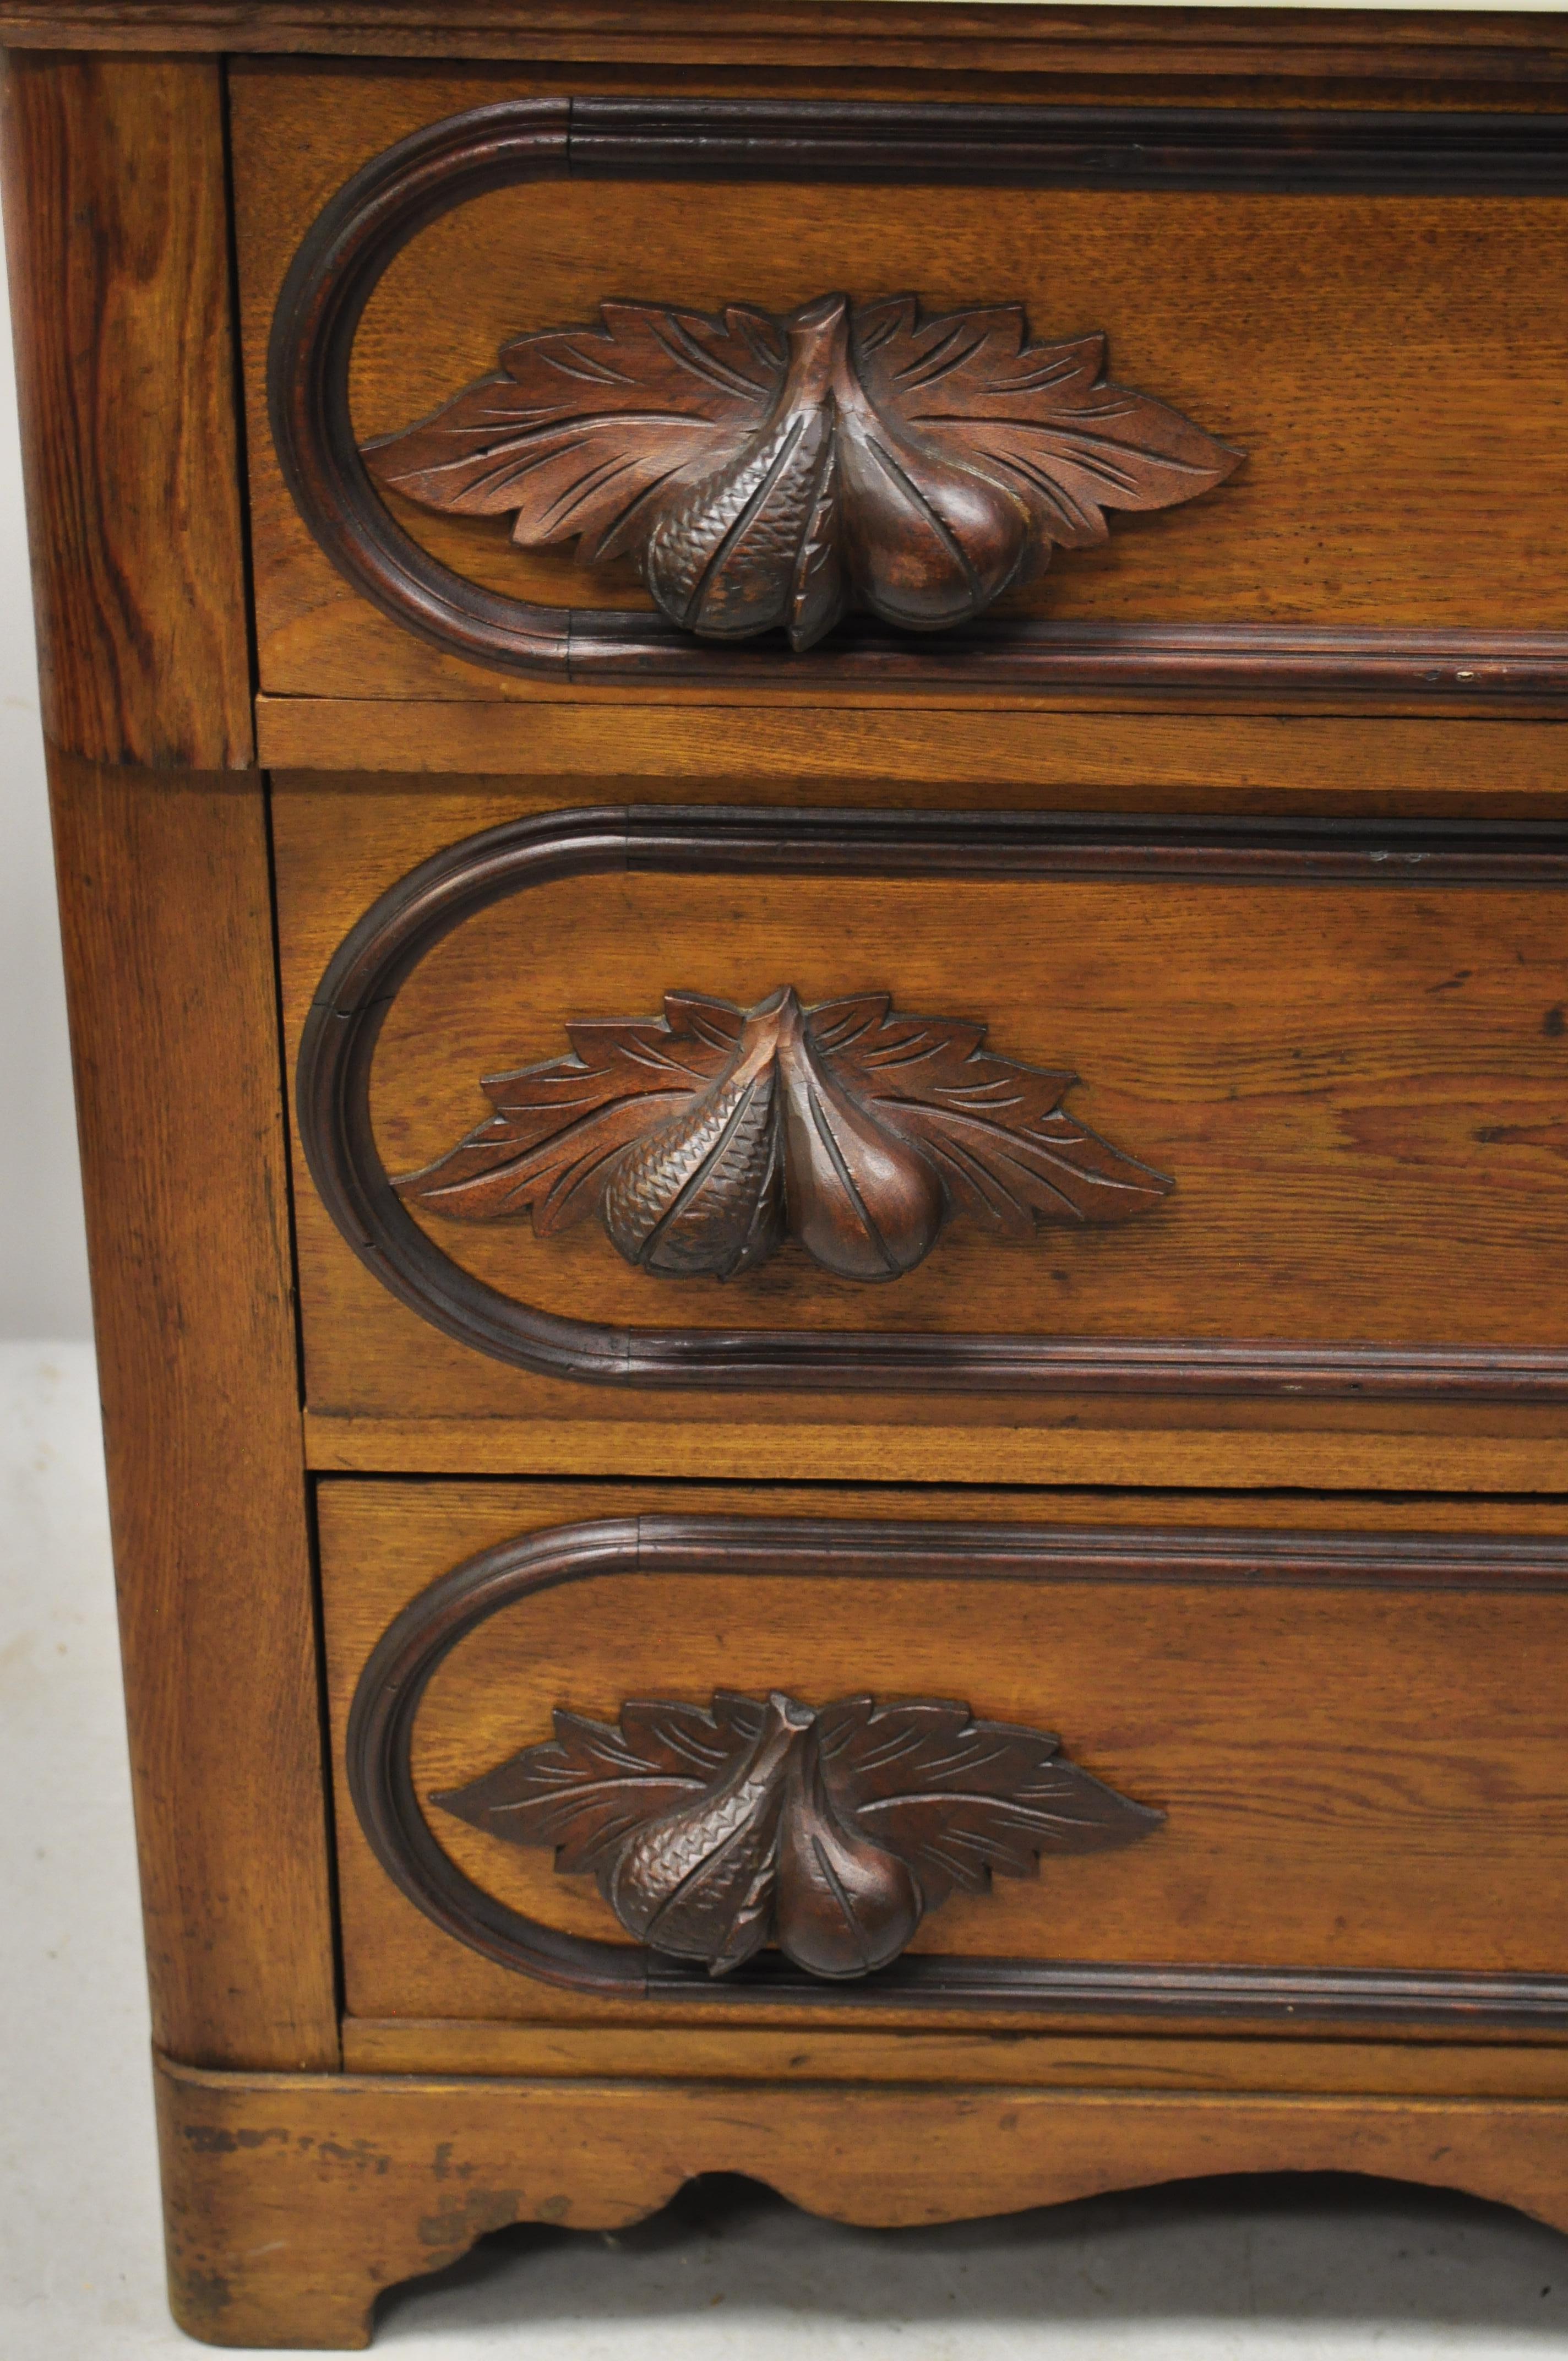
(293, 2199)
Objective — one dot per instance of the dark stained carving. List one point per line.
(830, 1833)
(768, 472)
(704, 1138)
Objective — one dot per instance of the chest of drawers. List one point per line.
(828, 1264)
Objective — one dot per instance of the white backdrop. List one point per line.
(43, 1261)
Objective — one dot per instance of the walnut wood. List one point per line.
(831, 1832)
(279, 2235)
(448, 163)
(116, 225)
(771, 1581)
(1523, 57)
(164, 902)
(340, 1036)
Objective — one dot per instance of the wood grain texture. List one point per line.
(1524, 57)
(1325, 1135)
(164, 898)
(842, 754)
(1063, 1441)
(293, 2199)
(790, 2055)
(1357, 1778)
(1337, 525)
(117, 224)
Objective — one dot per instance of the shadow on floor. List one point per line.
(1348, 2259)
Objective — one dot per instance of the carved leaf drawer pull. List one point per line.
(830, 1833)
(768, 472)
(704, 1138)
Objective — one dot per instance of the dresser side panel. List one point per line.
(166, 908)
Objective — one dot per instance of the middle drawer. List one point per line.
(887, 1109)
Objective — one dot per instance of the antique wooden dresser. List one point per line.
(830, 1266)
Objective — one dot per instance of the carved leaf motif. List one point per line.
(963, 1801)
(996, 1130)
(558, 1126)
(1044, 417)
(702, 1141)
(773, 472)
(828, 1832)
(585, 1792)
(583, 425)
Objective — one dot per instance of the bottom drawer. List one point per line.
(885, 1758)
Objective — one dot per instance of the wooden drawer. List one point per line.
(1312, 1161)
(1332, 304)
(1347, 1713)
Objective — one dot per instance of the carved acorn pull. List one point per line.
(768, 472)
(830, 1833)
(704, 1140)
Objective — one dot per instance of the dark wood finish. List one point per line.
(278, 2233)
(116, 228)
(702, 1138)
(831, 1832)
(793, 1590)
(768, 474)
(350, 1008)
(450, 162)
(165, 901)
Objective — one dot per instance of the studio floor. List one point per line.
(1216, 2271)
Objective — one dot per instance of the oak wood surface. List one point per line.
(1350, 510)
(789, 2055)
(293, 2199)
(1353, 1777)
(837, 753)
(1336, 1075)
(1156, 1441)
(164, 904)
(117, 224)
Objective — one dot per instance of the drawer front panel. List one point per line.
(1375, 496)
(1293, 1771)
(1116, 1110)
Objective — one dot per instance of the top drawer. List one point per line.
(1390, 363)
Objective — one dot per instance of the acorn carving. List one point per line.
(774, 1144)
(765, 1855)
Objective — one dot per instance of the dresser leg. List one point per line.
(291, 2200)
